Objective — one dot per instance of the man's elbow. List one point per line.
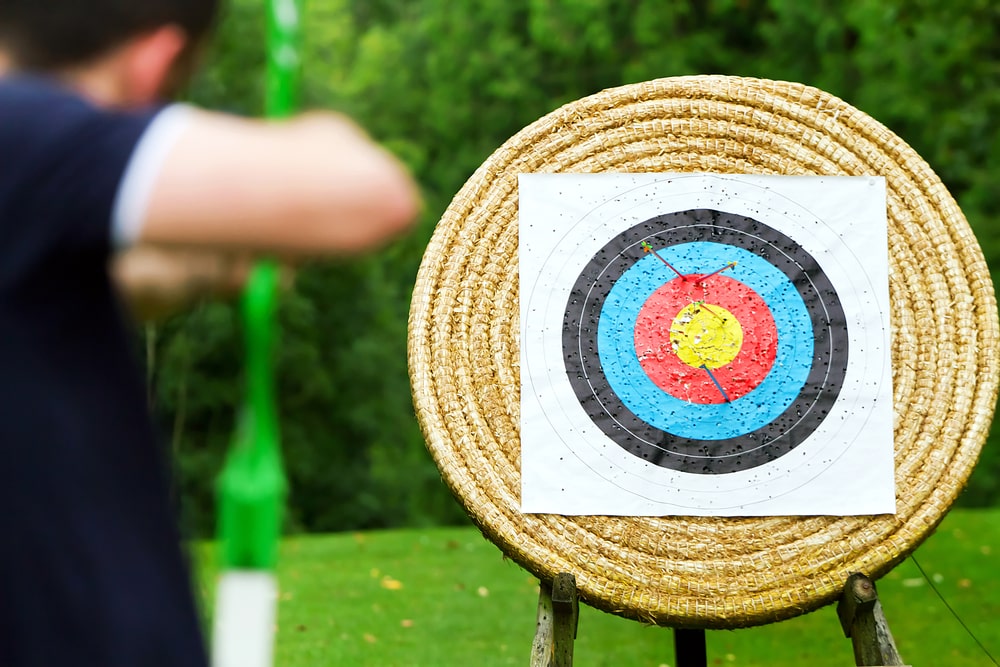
(400, 204)
(367, 193)
(389, 205)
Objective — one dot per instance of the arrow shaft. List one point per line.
(648, 248)
(716, 383)
(718, 271)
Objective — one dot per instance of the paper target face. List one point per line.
(684, 366)
(704, 345)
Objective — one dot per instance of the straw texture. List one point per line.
(705, 572)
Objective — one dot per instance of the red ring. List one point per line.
(669, 373)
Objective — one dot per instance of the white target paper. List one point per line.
(712, 345)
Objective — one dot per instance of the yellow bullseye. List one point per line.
(706, 335)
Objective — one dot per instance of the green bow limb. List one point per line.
(283, 38)
(252, 487)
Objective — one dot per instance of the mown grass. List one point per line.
(443, 597)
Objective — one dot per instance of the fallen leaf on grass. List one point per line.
(391, 584)
(406, 623)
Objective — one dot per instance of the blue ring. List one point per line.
(626, 377)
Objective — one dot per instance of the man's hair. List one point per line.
(53, 34)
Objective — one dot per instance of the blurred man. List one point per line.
(91, 572)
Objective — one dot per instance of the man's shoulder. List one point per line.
(19, 86)
(39, 117)
(64, 160)
(27, 100)
(36, 111)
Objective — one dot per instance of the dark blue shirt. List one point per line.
(91, 567)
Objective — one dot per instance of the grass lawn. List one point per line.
(446, 597)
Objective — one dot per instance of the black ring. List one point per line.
(752, 449)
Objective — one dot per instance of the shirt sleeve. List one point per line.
(83, 175)
(132, 199)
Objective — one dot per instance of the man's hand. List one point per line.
(157, 282)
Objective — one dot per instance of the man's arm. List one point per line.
(230, 188)
(314, 185)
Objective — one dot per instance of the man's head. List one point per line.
(61, 36)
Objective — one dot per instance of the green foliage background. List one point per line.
(443, 83)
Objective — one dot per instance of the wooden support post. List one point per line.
(541, 648)
(556, 623)
(863, 620)
(566, 608)
(689, 648)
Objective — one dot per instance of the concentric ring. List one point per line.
(621, 309)
(671, 344)
(649, 423)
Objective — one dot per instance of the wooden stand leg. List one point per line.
(541, 647)
(863, 620)
(556, 623)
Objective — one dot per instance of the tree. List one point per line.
(443, 85)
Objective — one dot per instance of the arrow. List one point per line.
(713, 273)
(648, 248)
(716, 382)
